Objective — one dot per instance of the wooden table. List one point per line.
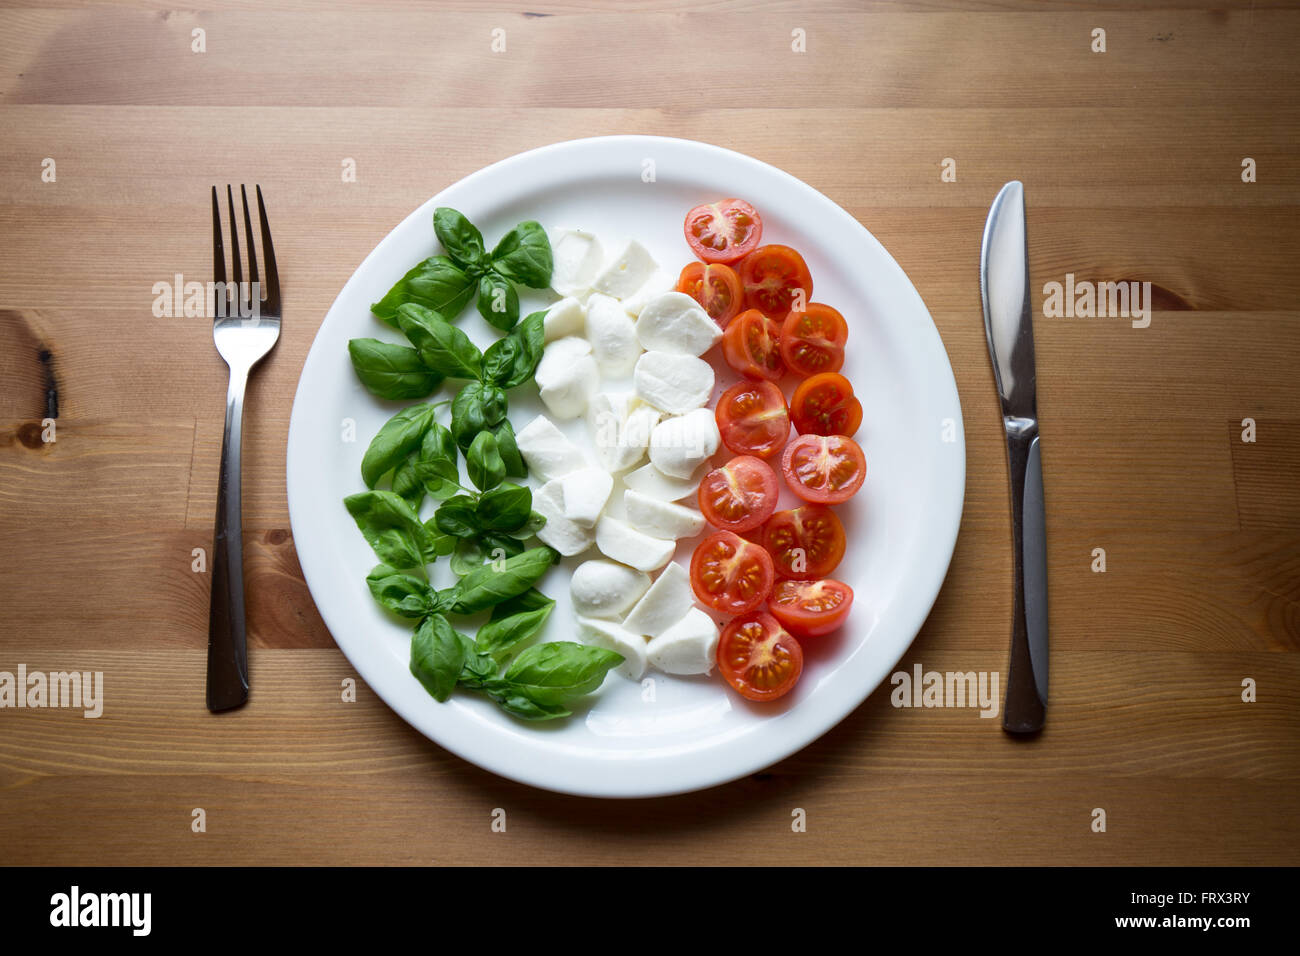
(1133, 164)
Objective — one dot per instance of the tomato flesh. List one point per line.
(740, 495)
(723, 231)
(752, 419)
(825, 405)
(813, 340)
(751, 345)
(824, 469)
(730, 574)
(758, 657)
(811, 608)
(716, 287)
(805, 543)
(776, 279)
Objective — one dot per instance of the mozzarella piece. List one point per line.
(564, 318)
(680, 445)
(668, 601)
(649, 480)
(613, 336)
(585, 493)
(656, 285)
(567, 376)
(626, 272)
(602, 588)
(673, 382)
(559, 532)
(576, 257)
(674, 322)
(617, 540)
(607, 634)
(688, 647)
(660, 518)
(620, 429)
(547, 451)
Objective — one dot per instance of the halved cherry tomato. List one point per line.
(716, 287)
(740, 495)
(812, 341)
(811, 608)
(824, 469)
(723, 231)
(774, 276)
(752, 346)
(752, 419)
(807, 542)
(825, 405)
(758, 657)
(730, 574)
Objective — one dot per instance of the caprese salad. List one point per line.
(625, 354)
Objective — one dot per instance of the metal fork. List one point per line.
(243, 339)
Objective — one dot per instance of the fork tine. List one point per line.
(268, 257)
(218, 247)
(252, 249)
(236, 266)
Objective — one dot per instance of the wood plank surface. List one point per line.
(1132, 161)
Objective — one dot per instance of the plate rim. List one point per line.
(377, 676)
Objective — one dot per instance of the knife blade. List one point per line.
(1008, 323)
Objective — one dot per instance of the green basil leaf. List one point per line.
(489, 585)
(504, 508)
(437, 655)
(407, 483)
(535, 523)
(391, 526)
(552, 672)
(483, 462)
(516, 702)
(400, 593)
(437, 283)
(392, 371)
(434, 464)
(442, 346)
(524, 254)
(509, 628)
(461, 239)
(476, 407)
(500, 546)
(468, 555)
(513, 359)
(439, 542)
(456, 516)
(508, 448)
(399, 436)
(498, 302)
(480, 668)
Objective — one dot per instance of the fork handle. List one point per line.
(227, 649)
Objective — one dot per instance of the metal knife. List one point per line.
(1004, 283)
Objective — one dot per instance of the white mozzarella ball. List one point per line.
(602, 588)
(688, 647)
(618, 540)
(667, 602)
(576, 258)
(673, 382)
(612, 334)
(680, 445)
(674, 322)
(607, 634)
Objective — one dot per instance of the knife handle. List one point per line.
(1025, 707)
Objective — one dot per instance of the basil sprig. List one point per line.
(447, 283)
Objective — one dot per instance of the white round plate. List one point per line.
(675, 734)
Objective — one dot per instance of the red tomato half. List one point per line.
(824, 469)
(825, 405)
(811, 608)
(775, 277)
(807, 542)
(813, 340)
(716, 287)
(730, 574)
(752, 346)
(752, 419)
(758, 657)
(723, 231)
(740, 495)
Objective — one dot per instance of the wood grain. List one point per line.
(1132, 165)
